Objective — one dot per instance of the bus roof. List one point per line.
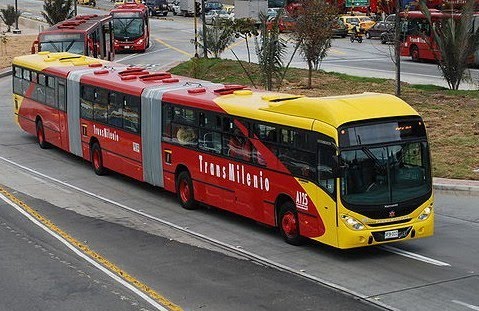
(81, 23)
(280, 108)
(130, 7)
(62, 61)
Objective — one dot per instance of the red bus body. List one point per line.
(139, 124)
(131, 27)
(419, 42)
(90, 35)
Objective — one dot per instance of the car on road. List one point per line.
(286, 23)
(157, 7)
(339, 29)
(364, 22)
(214, 15)
(378, 29)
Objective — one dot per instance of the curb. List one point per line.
(465, 188)
(6, 73)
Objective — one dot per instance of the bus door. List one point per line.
(107, 49)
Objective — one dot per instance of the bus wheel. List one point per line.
(97, 160)
(41, 136)
(289, 224)
(184, 191)
(414, 53)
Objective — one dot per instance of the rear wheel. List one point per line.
(185, 192)
(97, 159)
(360, 39)
(41, 135)
(289, 224)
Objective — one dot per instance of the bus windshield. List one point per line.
(125, 27)
(73, 43)
(388, 172)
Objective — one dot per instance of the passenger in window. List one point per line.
(186, 135)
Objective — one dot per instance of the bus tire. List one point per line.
(415, 54)
(289, 224)
(97, 160)
(41, 135)
(185, 191)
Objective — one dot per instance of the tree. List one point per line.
(270, 50)
(455, 40)
(56, 11)
(9, 16)
(245, 28)
(313, 32)
(218, 36)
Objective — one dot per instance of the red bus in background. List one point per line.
(131, 27)
(419, 42)
(90, 35)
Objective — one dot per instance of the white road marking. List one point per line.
(472, 307)
(414, 256)
(83, 256)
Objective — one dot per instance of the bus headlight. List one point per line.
(352, 222)
(139, 42)
(425, 213)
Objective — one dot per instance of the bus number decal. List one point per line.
(301, 200)
(136, 147)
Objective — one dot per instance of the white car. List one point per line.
(213, 15)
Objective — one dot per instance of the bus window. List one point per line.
(39, 91)
(298, 162)
(115, 110)
(167, 118)
(265, 132)
(86, 102)
(100, 106)
(50, 92)
(326, 164)
(61, 95)
(131, 114)
(17, 80)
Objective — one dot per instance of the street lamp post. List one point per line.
(203, 20)
(16, 30)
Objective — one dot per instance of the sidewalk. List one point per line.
(456, 184)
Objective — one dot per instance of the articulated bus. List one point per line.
(131, 27)
(90, 35)
(419, 42)
(347, 171)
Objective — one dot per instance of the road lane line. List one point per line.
(473, 307)
(244, 253)
(95, 259)
(414, 256)
(174, 48)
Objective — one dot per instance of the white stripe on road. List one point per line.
(472, 307)
(83, 256)
(414, 256)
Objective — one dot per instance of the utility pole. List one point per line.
(75, 7)
(203, 20)
(196, 31)
(397, 48)
(16, 30)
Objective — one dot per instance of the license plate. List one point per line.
(127, 46)
(391, 234)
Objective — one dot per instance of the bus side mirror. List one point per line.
(34, 50)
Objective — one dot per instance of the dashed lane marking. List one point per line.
(144, 291)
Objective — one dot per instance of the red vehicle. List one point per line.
(131, 27)
(313, 167)
(90, 35)
(419, 42)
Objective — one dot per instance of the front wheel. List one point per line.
(360, 39)
(289, 224)
(368, 35)
(185, 192)
(351, 38)
(414, 53)
(97, 160)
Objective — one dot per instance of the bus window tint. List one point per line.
(184, 116)
(86, 102)
(210, 140)
(100, 105)
(298, 162)
(131, 114)
(17, 80)
(265, 132)
(167, 118)
(50, 92)
(39, 91)
(61, 95)
(115, 110)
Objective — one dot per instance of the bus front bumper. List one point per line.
(348, 238)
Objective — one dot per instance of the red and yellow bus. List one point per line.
(347, 171)
(131, 27)
(90, 35)
(419, 42)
